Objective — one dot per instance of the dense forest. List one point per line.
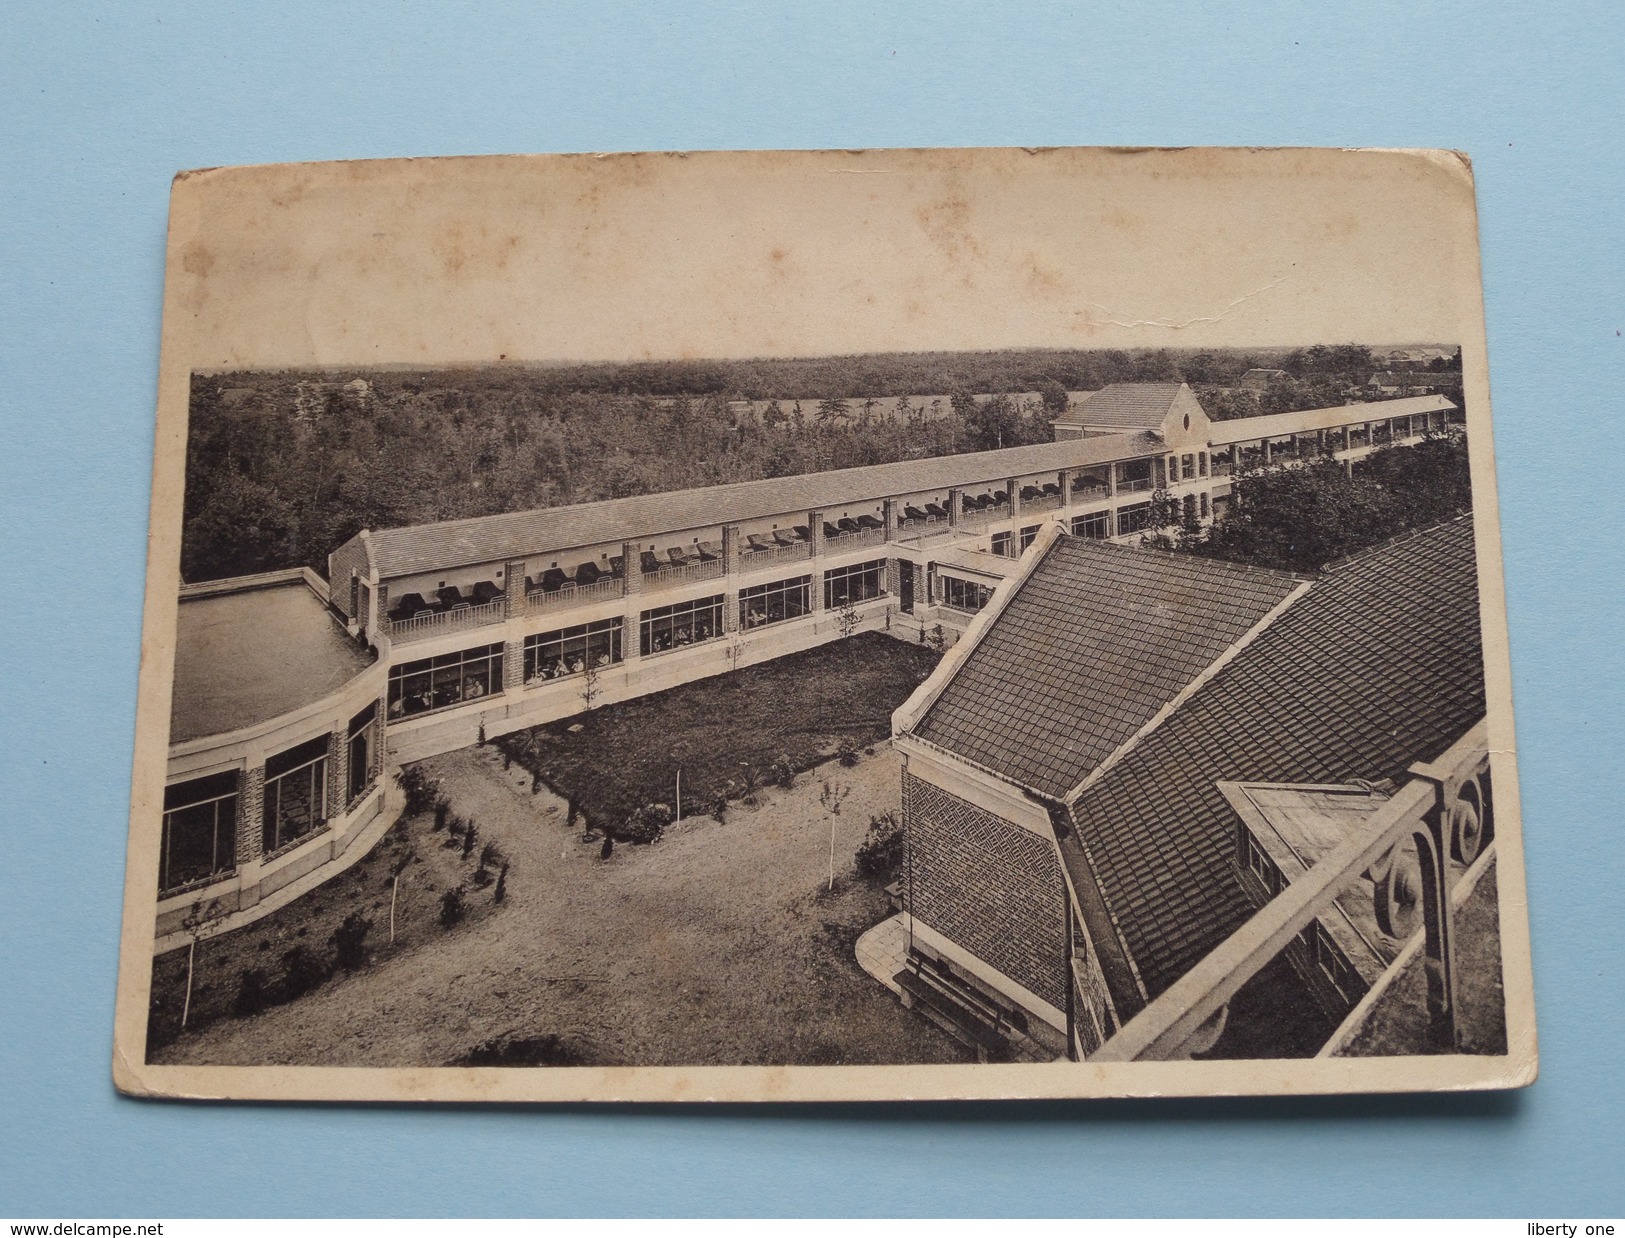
(282, 466)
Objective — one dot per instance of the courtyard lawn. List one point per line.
(725, 733)
(720, 944)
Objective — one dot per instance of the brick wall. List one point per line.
(250, 813)
(349, 559)
(992, 887)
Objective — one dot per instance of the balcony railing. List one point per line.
(910, 524)
(753, 559)
(671, 577)
(850, 541)
(1044, 503)
(441, 622)
(542, 601)
(1134, 486)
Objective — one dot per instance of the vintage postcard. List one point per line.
(825, 625)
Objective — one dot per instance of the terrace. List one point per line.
(1041, 498)
(414, 617)
(781, 545)
(700, 562)
(848, 533)
(1133, 476)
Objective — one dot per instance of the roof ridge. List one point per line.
(1128, 433)
(1398, 539)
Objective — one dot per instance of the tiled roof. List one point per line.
(1305, 421)
(1095, 641)
(1378, 666)
(486, 539)
(1127, 406)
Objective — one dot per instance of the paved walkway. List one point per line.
(883, 951)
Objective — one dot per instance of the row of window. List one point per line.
(455, 678)
(199, 838)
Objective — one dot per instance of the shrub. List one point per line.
(302, 971)
(349, 941)
(646, 824)
(253, 992)
(847, 754)
(719, 807)
(420, 790)
(501, 892)
(752, 778)
(453, 907)
(470, 833)
(880, 854)
(479, 740)
(784, 773)
(442, 811)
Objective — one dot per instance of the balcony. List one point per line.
(1136, 485)
(1043, 503)
(851, 541)
(440, 623)
(766, 556)
(917, 524)
(545, 601)
(674, 575)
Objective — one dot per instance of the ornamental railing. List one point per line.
(542, 601)
(849, 541)
(750, 560)
(1426, 810)
(670, 577)
(440, 622)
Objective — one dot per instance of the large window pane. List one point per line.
(442, 682)
(686, 623)
(570, 651)
(200, 831)
(857, 582)
(362, 729)
(295, 793)
(773, 603)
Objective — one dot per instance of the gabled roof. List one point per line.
(1095, 640)
(1378, 666)
(489, 539)
(1126, 406)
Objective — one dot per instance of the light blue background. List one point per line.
(99, 105)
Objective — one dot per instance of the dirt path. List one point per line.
(717, 945)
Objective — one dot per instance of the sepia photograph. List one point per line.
(825, 625)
